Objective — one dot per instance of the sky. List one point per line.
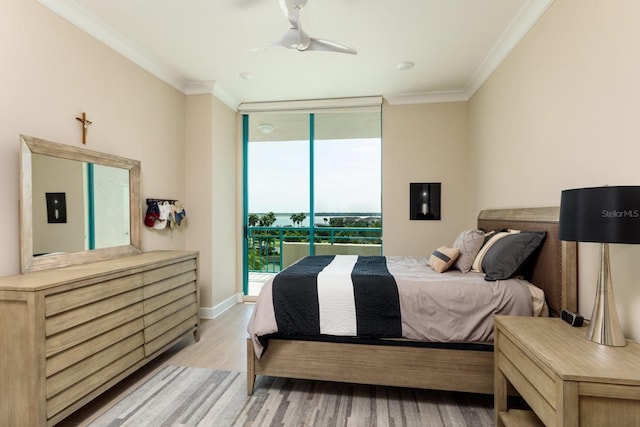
(347, 176)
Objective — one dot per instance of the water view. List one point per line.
(332, 219)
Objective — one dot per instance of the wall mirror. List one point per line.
(76, 205)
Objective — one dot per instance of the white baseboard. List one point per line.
(217, 310)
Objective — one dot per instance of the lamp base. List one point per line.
(604, 327)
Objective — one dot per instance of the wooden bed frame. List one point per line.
(555, 272)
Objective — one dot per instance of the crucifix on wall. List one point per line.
(85, 126)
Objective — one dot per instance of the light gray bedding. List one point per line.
(435, 307)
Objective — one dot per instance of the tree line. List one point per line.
(264, 250)
(268, 219)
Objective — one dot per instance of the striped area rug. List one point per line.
(181, 396)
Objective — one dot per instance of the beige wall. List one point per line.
(198, 151)
(211, 192)
(424, 143)
(52, 72)
(225, 216)
(561, 112)
(210, 149)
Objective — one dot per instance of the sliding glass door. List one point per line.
(277, 196)
(347, 192)
(312, 186)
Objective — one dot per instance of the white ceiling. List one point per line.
(202, 46)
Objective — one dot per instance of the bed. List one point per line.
(432, 365)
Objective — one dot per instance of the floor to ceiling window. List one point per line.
(312, 187)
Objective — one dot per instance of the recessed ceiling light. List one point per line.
(404, 65)
(265, 127)
(247, 76)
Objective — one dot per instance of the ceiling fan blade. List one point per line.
(331, 46)
(297, 38)
(293, 39)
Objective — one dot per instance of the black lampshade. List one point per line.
(601, 214)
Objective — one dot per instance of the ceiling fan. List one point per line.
(297, 38)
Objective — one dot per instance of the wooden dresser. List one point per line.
(68, 334)
(566, 379)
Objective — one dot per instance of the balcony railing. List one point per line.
(270, 249)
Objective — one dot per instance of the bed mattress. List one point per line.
(450, 307)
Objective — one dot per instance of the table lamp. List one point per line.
(604, 215)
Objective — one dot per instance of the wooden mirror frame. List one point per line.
(30, 145)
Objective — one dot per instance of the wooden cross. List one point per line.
(85, 126)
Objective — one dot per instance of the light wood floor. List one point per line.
(222, 346)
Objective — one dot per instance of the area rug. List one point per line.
(182, 396)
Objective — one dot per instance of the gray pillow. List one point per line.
(509, 254)
(469, 242)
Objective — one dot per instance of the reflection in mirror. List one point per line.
(110, 222)
(77, 205)
(95, 205)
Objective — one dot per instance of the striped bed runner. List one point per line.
(344, 295)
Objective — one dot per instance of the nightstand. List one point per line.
(566, 379)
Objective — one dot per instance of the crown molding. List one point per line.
(89, 23)
(211, 88)
(526, 18)
(69, 10)
(224, 96)
(200, 88)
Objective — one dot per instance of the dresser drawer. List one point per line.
(168, 284)
(92, 364)
(63, 301)
(74, 336)
(73, 355)
(160, 327)
(167, 336)
(168, 271)
(169, 306)
(78, 316)
(80, 389)
(161, 300)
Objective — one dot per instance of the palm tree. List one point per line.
(301, 218)
(268, 219)
(253, 219)
(298, 218)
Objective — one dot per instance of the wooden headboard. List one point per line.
(556, 265)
